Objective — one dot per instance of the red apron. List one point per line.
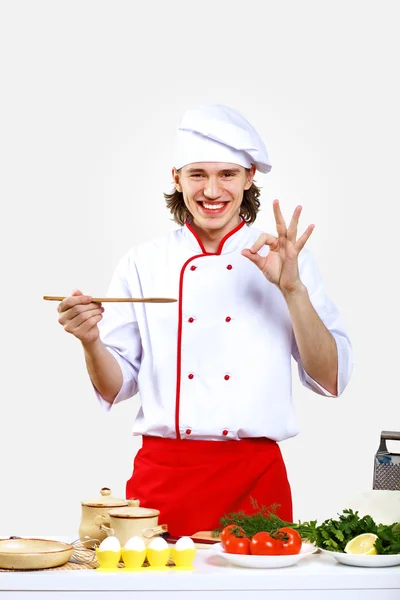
(194, 483)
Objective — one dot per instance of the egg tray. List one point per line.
(71, 566)
(122, 568)
(144, 568)
(121, 565)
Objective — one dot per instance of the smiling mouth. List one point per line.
(211, 206)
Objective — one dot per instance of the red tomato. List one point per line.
(228, 530)
(264, 544)
(237, 545)
(291, 540)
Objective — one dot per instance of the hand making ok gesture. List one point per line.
(280, 266)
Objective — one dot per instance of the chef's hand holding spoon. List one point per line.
(280, 266)
(79, 316)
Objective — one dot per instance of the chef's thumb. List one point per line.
(76, 293)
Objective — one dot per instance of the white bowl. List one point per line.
(252, 561)
(365, 560)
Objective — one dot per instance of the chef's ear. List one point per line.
(175, 177)
(250, 176)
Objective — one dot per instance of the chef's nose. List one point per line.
(212, 189)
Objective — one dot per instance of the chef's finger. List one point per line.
(82, 332)
(80, 311)
(301, 242)
(279, 220)
(292, 229)
(257, 259)
(262, 240)
(72, 325)
(60, 307)
(78, 308)
(73, 300)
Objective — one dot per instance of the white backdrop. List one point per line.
(91, 93)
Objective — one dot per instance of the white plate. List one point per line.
(365, 560)
(263, 562)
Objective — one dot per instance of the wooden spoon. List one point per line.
(153, 300)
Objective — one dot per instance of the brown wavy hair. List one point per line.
(248, 209)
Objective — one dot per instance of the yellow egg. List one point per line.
(183, 558)
(158, 558)
(108, 559)
(133, 559)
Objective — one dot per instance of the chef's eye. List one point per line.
(228, 175)
(196, 175)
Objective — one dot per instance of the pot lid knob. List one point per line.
(105, 500)
(133, 502)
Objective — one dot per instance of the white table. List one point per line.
(317, 577)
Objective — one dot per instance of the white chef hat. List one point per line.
(217, 133)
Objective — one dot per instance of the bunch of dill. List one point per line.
(263, 519)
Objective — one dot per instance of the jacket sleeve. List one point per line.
(119, 329)
(332, 320)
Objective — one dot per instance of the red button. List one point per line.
(228, 319)
(227, 377)
(190, 319)
(191, 376)
(229, 267)
(188, 431)
(225, 432)
(193, 268)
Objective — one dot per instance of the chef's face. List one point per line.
(213, 193)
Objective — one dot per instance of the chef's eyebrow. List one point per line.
(233, 170)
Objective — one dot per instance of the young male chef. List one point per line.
(214, 369)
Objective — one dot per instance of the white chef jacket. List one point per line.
(216, 364)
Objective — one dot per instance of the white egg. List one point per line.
(158, 544)
(110, 543)
(135, 543)
(184, 543)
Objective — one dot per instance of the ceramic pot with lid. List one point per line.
(131, 521)
(95, 513)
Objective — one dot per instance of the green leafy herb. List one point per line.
(264, 519)
(332, 534)
(388, 541)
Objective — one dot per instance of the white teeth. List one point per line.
(212, 206)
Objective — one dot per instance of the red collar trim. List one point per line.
(222, 242)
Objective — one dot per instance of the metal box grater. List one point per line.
(387, 464)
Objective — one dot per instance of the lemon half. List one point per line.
(362, 544)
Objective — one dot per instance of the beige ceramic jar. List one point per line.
(95, 513)
(133, 521)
